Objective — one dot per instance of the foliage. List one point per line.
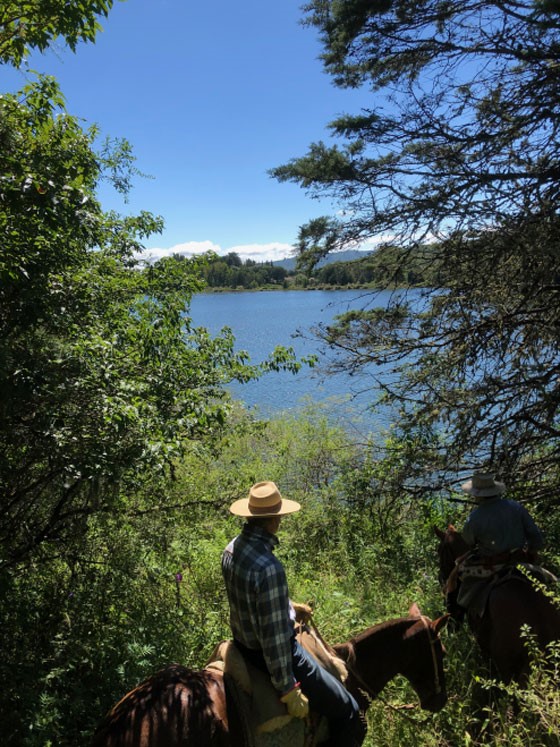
(461, 128)
(144, 588)
(456, 151)
(102, 375)
(35, 24)
(231, 272)
(388, 266)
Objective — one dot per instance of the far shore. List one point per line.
(318, 287)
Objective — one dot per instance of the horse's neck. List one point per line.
(457, 546)
(374, 657)
(453, 547)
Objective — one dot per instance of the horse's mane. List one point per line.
(383, 634)
(385, 628)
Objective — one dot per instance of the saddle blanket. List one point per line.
(266, 718)
(477, 582)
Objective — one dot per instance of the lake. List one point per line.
(260, 320)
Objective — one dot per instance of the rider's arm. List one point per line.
(533, 534)
(467, 532)
(275, 626)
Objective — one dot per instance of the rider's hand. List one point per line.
(296, 702)
(304, 612)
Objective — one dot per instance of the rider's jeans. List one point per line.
(328, 697)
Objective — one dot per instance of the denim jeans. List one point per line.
(328, 697)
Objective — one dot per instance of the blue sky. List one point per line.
(211, 96)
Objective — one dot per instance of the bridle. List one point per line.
(438, 689)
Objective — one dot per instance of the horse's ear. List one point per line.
(439, 533)
(414, 610)
(441, 622)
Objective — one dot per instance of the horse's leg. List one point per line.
(456, 611)
(511, 606)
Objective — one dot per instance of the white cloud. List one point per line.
(369, 245)
(262, 252)
(257, 252)
(188, 249)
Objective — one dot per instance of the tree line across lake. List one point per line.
(387, 267)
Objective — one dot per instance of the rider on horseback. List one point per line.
(499, 532)
(262, 618)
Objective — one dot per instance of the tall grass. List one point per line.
(143, 588)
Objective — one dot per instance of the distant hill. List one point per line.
(346, 256)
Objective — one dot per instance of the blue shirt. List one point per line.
(259, 602)
(498, 525)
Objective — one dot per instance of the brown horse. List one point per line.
(512, 603)
(180, 707)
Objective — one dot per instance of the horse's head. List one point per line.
(451, 546)
(407, 645)
(424, 665)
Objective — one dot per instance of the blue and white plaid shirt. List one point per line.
(260, 607)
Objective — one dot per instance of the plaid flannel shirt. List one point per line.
(259, 603)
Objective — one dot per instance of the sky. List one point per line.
(211, 95)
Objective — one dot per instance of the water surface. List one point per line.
(261, 320)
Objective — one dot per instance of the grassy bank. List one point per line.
(145, 589)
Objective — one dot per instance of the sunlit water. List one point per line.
(261, 320)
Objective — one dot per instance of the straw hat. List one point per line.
(264, 500)
(482, 485)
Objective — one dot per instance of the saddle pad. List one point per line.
(266, 712)
(312, 642)
(256, 695)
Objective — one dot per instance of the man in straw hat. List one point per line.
(498, 525)
(262, 618)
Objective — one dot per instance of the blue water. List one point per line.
(261, 320)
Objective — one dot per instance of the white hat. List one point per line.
(483, 485)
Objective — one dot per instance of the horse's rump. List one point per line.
(174, 705)
(517, 602)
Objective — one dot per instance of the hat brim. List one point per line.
(497, 489)
(242, 508)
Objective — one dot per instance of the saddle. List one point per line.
(265, 718)
(479, 575)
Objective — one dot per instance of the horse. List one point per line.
(513, 602)
(182, 707)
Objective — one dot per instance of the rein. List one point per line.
(437, 682)
(350, 666)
